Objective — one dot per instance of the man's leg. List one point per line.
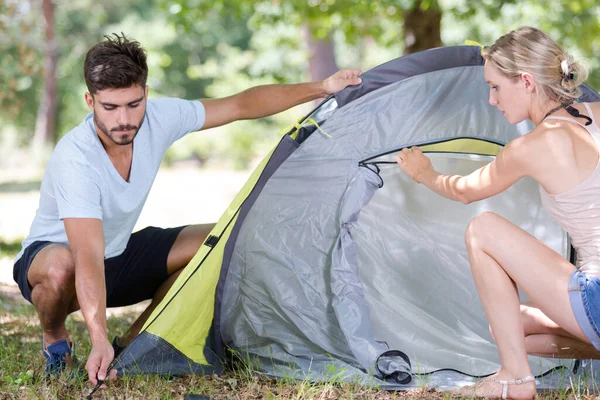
(52, 279)
(181, 253)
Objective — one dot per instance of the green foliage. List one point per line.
(574, 24)
(214, 48)
(9, 249)
(355, 18)
(20, 63)
(80, 24)
(21, 378)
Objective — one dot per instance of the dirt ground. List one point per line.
(181, 195)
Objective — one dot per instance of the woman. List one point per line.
(531, 77)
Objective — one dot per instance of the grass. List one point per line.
(22, 367)
(9, 249)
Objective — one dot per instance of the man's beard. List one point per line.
(123, 141)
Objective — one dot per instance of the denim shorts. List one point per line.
(584, 293)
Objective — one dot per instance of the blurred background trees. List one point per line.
(211, 48)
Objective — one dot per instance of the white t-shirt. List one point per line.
(80, 181)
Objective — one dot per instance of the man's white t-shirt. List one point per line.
(80, 181)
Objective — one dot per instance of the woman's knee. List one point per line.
(479, 228)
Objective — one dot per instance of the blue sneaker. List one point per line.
(58, 357)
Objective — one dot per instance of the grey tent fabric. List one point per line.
(411, 65)
(342, 260)
(338, 267)
(423, 62)
(419, 287)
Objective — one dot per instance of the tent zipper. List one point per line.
(368, 160)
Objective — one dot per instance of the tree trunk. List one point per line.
(45, 126)
(422, 27)
(321, 61)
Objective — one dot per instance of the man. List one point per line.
(81, 253)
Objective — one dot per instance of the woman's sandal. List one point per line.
(504, 384)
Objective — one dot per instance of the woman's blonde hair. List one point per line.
(556, 73)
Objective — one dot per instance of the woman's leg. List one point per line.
(503, 256)
(544, 338)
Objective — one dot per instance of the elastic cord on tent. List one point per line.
(327, 135)
(372, 159)
(557, 368)
(302, 122)
(376, 171)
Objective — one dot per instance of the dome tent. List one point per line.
(330, 261)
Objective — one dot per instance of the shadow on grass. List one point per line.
(22, 369)
(19, 320)
(21, 334)
(20, 187)
(22, 364)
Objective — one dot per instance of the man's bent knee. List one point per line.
(53, 266)
(52, 278)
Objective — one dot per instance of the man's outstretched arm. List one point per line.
(262, 101)
(86, 241)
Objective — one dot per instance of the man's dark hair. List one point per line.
(115, 63)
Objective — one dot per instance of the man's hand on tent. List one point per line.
(262, 101)
(100, 358)
(414, 163)
(341, 79)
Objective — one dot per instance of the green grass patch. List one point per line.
(22, 370)
(10, 249)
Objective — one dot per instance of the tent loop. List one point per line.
(295, 127)
(373, 168)
(403, 377)
(313, 122)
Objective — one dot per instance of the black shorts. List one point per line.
(131, 277)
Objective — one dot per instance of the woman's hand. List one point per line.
(414, 163)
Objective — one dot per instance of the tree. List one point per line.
(213, 47)
(19, 62)
(318, 20)
(321, 55)
(422, 26)
(45, 126)
(574, 23)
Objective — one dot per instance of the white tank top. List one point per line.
(578, 209)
